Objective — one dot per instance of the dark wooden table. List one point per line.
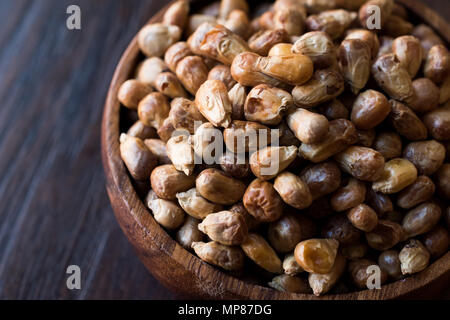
(54, 211)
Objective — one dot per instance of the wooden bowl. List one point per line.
(184, 273)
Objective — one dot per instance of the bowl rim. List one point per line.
(119, 184)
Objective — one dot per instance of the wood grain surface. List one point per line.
(54, 210)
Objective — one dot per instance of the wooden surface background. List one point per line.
(54, 211)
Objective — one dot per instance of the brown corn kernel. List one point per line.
(316, 255)
(225, 227)
(192, 73)
(438, 122)
(420, 191)
(442, 180)
(218, 187)
(355, 61)
(204, 137)
(168, 84)
(326, 84)
(166, 213)
(177, 14)
(227, 6)
(166, 130)
(406, 122)
(181, 153)
(363, 163)
(238, 23)
(294, 69)
(262, 201)
(349, 196)
(154, 39)
(175, 53)
(428, 156)
(250, 221)
(263, 22)
(386, 235)
(322, 283)
(285, 233)
(392, 77)
(333, 22)
(228, 258)
(237, 96)
(397, 174)
(409, 52)
(261, 42)
(321, 179)
(319, 47)
(141, 131)
(222, 73)
(366, 12)
(166, 182)
(183, 114)
(437, 241)
(366, 138)
(267, 163)
(258, 250)
(355, 250)
(195, 205)
(286, 283)
(139, 160)
(341, 134)
(308, 127)
(294, 191)
(230, 164)
(196, 20)
(396, 26)
(339, 227)
(153, 109)
(286, 136)
(290, 19)
(149, 69)
(246, 70)
(290, 266)
(380, 202)
(213, 103)
(131, 92)
(421, 219)
(359, 272)
(369, 37)
(370, 109)
(189, 233)
(389, 144)
(437, 64)
(266, 104)
(216, 42)
(159, 149)
(244, 136)
(363, 217)
(390, 263)
(280, 49)
(414, 257)
(426, 95)
(334, 110)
